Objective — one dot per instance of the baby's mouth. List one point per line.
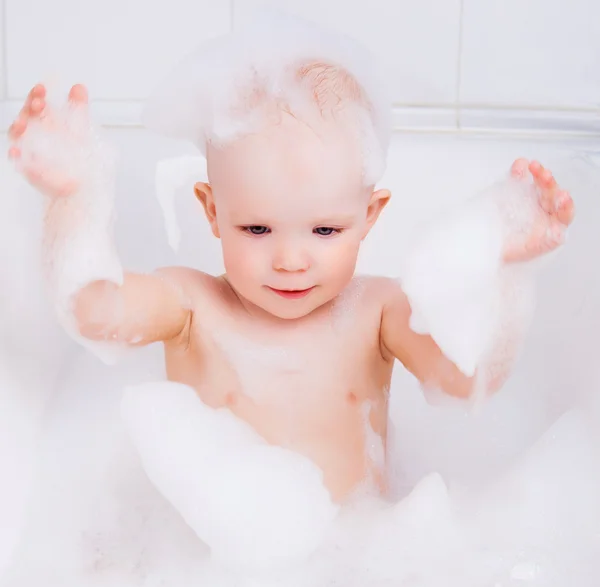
(292, 294)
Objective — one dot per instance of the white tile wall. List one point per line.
(531, 53)
(118, 47)
(416, 40)
(524, 64)
(2, 52)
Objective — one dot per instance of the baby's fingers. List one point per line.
(35, 98)
(565, 208)
(34, 106)
(78, 95)
(546, 184)
(35, 103)
(17, 128)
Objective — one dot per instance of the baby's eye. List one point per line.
(326, 230)
(256, 230)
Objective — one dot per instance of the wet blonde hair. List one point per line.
(236, 84)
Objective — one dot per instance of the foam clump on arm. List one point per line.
(459, 289)
(63, 155)
(102, 307)
(469, 282)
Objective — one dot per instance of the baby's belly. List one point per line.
(339, 440)
(334, 417)
(338, 430)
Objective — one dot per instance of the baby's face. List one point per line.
(291, 211)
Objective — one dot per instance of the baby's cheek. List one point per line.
(242, 260)
(344, 257)
(340, 262)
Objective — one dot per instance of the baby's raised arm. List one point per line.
(419, 353)
(460, 315)
(146, 308)
(59, 154)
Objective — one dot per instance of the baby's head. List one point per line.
(292, 201)
(294, 147)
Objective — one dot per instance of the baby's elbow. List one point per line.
(97, 309)
(460, 389)
(445, 377)
(464, 387)
(451, 382)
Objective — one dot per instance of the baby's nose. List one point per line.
(291, 258)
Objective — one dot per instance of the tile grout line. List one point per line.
(459, 62)
(4, 51)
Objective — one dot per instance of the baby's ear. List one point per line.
(204, 193)
(377, 203)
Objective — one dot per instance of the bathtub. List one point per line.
(77, 508)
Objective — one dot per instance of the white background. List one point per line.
(451, 63)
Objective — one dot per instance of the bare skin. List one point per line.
(309, 370)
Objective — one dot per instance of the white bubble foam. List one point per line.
(213, 94)
(96, 519)
(255, 505)
(78, 240)
(172, 174)
(455, 281)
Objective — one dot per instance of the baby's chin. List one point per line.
(294, 309)
(293, 312)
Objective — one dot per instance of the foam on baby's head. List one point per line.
(236, 84)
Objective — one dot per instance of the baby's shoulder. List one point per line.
(198, 287)
(375, 290)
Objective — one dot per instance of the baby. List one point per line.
(287, 339)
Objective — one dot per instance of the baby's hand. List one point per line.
(553, 213)
(55, 150)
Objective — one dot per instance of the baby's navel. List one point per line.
(351, 398)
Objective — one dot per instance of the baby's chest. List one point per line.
(321, 368)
